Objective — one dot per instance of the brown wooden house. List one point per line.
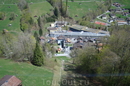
(10, 80)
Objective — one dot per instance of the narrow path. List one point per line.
(57, 74)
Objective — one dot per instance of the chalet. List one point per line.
(61, 37)
(112, 16)
(125, 13)
(110, 20)
(78, 45)
(112, 10)
(60, 23)
(10, 80)
(116, 4)
(52, 25)
(128, 20)
(42, 39)
(118, 10)
(104, 16)
(61, 41)
(52, 29)
(121, 21)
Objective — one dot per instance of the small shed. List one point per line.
(10, 80)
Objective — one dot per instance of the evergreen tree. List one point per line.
(56, 12)
(38, 59)
(36, 36)
(40, 32)
(40, 22)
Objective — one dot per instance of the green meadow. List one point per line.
(40, 8)
(29, 75)
(16, 1)
(4, 24)
(80, 9)
(63, 58)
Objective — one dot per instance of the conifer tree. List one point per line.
(56, 12)
(36, 36)
(40, 32)
(38, 59)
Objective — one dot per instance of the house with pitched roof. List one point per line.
(10, 80)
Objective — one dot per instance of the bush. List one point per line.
(12, 16)
(2, 15)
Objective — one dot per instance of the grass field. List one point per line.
(63, 58)
(80, 9)
(29, 74)
(40, 8)
(4, 24)
(16, 1)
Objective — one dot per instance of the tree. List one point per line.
(40, 22)
(36, 36)
(12, 16)
(26, 21)
(63, 9)
(6, 41)
(24, 46)
(115, 60)
(22, 4)
(40, 32)
(85, 59)
(56, 12)
(38, 58)
(2, 15)
(23, 26)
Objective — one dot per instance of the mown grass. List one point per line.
(16, 1)
(29, 74)
(63, 58)
(4, 24)
(38, 9)
(80, 9)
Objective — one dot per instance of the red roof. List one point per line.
(9, 80)
(42, 37)
(100, 23)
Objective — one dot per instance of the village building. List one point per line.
(10, 80)
(112, 15)
(101, 23)
(110, 20)
(81, 31)
(60, 23)
(52, 29)
(104, 16)
(121, 21)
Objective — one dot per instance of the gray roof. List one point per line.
(84, 28)
(81, 34)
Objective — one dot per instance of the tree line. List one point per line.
(110, 66)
